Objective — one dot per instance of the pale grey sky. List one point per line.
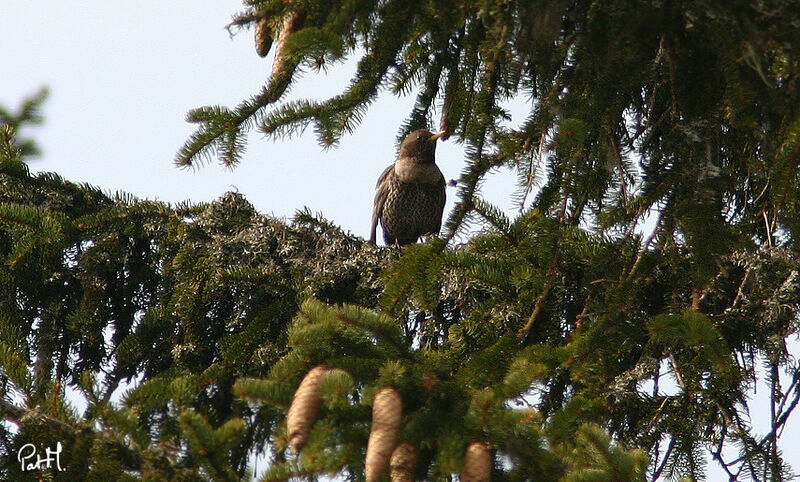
(122, 77)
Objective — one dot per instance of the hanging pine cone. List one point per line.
(477, 463)
(402, 463)
(292, 23)
(387, 410)
(304, 408)
(263, 36)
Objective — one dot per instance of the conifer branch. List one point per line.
(18, 414)
(552, 269)
(620, 168)
(667, 454)
(645, 246)
(29, 113)
(479, 166)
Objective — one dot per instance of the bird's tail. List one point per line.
(373, 230)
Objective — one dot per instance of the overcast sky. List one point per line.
(122, 77)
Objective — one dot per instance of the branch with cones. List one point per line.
(266, 26)
(382, 447)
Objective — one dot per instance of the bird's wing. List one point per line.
(381, 191)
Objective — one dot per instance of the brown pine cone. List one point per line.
(387, 410)
(477, 463)
(263, 36)
(402, 463)
(304, 408)
(292, 23)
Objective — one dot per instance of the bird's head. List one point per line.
(420, 145)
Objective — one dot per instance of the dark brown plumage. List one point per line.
(409, 198)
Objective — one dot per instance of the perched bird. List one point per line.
(409, 198)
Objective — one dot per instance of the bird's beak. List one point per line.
(436, 136)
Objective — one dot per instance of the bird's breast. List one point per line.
(407, 170)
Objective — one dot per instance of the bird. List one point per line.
(410, 193)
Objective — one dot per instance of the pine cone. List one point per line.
(291, 24)
(387, 410)
(404, 459)
(304, 408)
(477, 463)
(263, 36)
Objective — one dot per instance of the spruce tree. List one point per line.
(614, 329)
